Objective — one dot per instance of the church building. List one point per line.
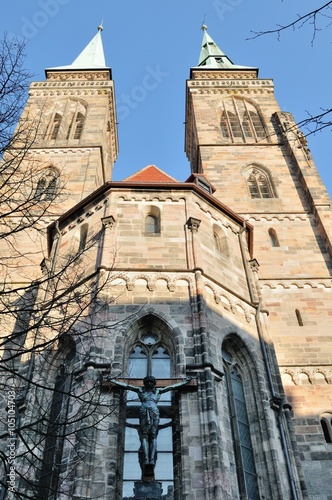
(193, 360)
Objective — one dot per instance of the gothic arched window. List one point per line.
(67, 119)
(240, 429)
(56, 423)
(259, 183)
(150, 355)
(240, 120)
(46, 185)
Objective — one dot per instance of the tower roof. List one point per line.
(212, 56)
(91, 57)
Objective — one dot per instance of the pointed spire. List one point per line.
(91, 57)
(212, 56)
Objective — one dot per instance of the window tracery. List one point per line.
(149, 355)
(259, 184)
(67, 120)
(47, 185)
(241, 121)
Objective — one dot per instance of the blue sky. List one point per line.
(164, 37)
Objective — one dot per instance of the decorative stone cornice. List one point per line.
(280, 217)
(151, 278)
(76, 75)
(230, 302)
(230, 83)
(149, 198)
(69, 91)
(224, 222)
(308, 375)
(232, 91)
(223, 75)
(88, 212)
(68, 84)
(296, 283)
(223, 298)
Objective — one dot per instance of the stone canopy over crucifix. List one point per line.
(149, 396)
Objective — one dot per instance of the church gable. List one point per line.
(150, 173)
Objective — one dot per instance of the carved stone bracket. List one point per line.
(108, 222)
(254, 265)
(193, 224)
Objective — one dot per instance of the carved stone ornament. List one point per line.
(193, 224)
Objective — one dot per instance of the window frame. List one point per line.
(54, 126)
(241, 121)
(274, 240)
(259, 183)
(231, 365)
(132, 406)
(326, 424)
(46, 185)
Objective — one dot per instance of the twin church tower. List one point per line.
(224, 278)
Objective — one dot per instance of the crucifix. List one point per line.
(149, 396)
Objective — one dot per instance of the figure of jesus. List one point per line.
(149, 396)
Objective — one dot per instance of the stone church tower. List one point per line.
(219, 287)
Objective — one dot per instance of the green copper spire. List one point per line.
(91, 57)
(212, 57)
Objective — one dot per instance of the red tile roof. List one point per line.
(151, 173)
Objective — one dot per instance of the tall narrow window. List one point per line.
(235, 125)
(273, 238)
(55, 126)
(240, 428)
(50, 189)
(247, 127)
(149, 356)
(257, 124)
(299, 317)
(40, 189)
(56, 426)
(47, 185)
(83, 237)
(78, 125)
(224, 125)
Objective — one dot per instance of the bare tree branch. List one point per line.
(311, 17)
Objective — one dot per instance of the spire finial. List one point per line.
(204, 27)
(101, 27)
